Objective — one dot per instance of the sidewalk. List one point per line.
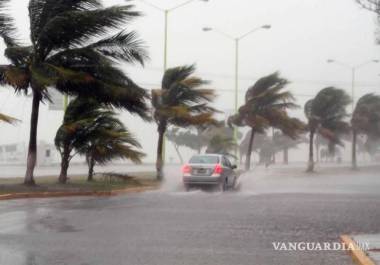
(374, 246)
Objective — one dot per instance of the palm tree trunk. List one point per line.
(286, 156)
(354, 144)
(249, 151)
(32, 149)
(311, 152)
(91, 165)
(64, 165)
(160, 160)
(317, 145)
(178, 153)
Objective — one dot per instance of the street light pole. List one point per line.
(166, 23)
(353, 69)
(166, 39)
(353, 73)
(236, 91)
(237, 55)
(237, 74)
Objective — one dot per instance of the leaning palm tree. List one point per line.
(92, 129)
(284, 143)
(182, 102)
(372, 5)
(70, 51)
(365, 120)
(326, 115)
(80, 120)
(222, 144)
(110, 141)
(266, 105)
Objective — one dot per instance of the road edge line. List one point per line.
(42, 195)
(358, 255)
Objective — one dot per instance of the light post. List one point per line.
(353, 69)
(166, 21)
(166, 37)
(236, 40)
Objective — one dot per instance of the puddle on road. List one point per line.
(10, 256)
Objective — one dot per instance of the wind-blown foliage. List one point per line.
(365, 121)
(182, 101)
(7, 119)
(372, 5)
(284, 143)
(326, 114)
(214, 137)
(71, 51)
(222, 144)
(266, 105)
(93, 130)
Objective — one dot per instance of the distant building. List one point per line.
(16, 154)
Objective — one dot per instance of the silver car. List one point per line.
(209, 169)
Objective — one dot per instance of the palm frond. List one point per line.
(7, 27)
(74, 28)
(16, 77)
(176, 75)
(8, 119)
(122, 46)
(19, 56)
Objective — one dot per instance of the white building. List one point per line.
(16, 154)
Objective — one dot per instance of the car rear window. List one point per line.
(204, 160)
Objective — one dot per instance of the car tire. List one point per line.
(224, 185)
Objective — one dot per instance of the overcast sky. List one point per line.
(304, 34)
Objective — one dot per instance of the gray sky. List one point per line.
(305, 34)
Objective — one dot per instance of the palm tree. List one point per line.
(92, 129)
(67, 52)
(182, 102)
(257, 145)
(266, 106)
(326, 114)
(284, 143)
(222, 144)
(110, 141)
(365, 120)
(80, 120)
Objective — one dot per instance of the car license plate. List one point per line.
(202, 171)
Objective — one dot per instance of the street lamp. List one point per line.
(353, 69)
(166, 34)
(236, 40)
(166, 13)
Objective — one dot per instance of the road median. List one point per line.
(78, 186)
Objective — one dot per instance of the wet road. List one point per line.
(173, 227)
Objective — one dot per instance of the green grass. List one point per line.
(78, 184)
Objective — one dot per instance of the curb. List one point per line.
(358, 255)
(41, 195)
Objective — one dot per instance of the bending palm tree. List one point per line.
(181, 102)
(65, 53)
(266, 106)
(365, 120)
(92, 129)
(326, 114)
(222, 144)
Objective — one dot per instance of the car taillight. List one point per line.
(186, 169)
(218, 169)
